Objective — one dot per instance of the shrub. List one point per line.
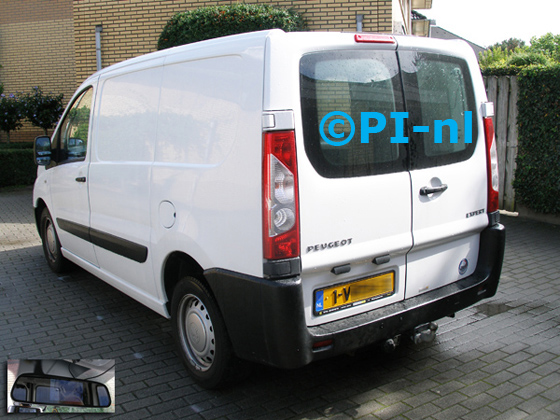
(537, 177)
(505, 59)
(548, 44)
(17, 167)
(215, 21)
(525, 59)
(11, 113)
(42, 110)
(21, 145)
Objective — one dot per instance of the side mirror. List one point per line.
(42, 150)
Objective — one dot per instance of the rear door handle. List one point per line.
(81, 179)
(433, 190)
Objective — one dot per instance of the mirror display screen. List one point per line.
(61, 392)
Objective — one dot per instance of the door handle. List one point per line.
(81, 179)
(433, 190)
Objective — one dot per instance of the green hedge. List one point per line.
(19, 145)
(215, 21)
(500, 70)
(537, 178)
(17, 167)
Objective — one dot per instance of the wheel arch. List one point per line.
(177, 265)
(38, 210)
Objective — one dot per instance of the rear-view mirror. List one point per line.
(42, 150)
(43, 389)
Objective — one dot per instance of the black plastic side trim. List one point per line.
(277, 269)
(264, 318)
(127, 249)
(75, 229)
(122, 247)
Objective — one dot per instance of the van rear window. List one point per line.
(437, 88)
(339, 87)
(351, 82)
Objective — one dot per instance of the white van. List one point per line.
(282, 197)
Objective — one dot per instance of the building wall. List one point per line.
(132, 27)
(36, 49)
(51, 43)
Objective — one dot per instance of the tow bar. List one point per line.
(424, 333)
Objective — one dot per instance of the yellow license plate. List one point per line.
(352, 294)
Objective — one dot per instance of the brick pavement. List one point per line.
(498, 360)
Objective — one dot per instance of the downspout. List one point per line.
(98, 30)
(359, 23)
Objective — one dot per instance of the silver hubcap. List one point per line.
(51, 240)
(197, 332)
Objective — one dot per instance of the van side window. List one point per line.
(74, 129)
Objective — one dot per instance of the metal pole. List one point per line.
(359, 23)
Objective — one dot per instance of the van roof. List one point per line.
(244, 39)
(232, 43)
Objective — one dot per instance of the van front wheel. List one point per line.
(51, 244)
(200, 334)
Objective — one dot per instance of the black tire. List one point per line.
(201, 336)
(51, 244)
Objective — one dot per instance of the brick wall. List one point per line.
(132, 27)
(36, 49)
(51, 43)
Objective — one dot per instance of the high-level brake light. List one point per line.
(375, 38)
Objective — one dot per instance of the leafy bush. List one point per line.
(11, 113)
(42, 110)
(537, 177)
(509, 44)
(21, 145)
(524, 59)
(17, 167)
(509, 57)
(215, 21)
(548, 45)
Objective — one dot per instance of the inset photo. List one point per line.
(61, 386)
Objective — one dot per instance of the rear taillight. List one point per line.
(492, 166)
(280, 196)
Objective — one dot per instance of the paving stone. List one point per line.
(452, 413)
(530, 391)
(511, 414)
(450, 400)
(535, 404)
(482, 413)
(505, 403)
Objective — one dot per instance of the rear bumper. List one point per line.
(266, 322)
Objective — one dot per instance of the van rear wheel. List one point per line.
(201, 336)
(51, 244)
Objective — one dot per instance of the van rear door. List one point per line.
(354, 187)
(447, 168)
(381, 192)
